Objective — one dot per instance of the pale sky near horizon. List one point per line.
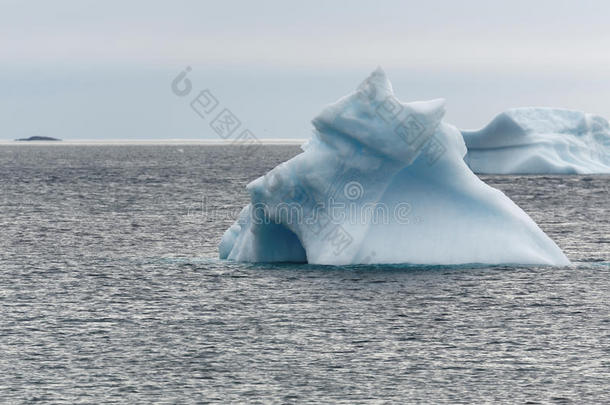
(102, 69)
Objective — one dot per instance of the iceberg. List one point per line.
(540, 141)
(383, 182)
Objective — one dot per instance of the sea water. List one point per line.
(111, 291)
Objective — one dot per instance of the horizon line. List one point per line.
(169, 141)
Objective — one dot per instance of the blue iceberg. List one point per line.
(382, 181)
(540, 141)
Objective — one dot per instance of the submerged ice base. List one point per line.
(383, 181)
(540, 141)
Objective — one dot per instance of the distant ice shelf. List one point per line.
(382, 181)
(539, 140)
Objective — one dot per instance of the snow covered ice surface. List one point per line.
(540, 141)
(383, 181)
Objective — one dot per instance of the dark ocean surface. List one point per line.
(111, 292)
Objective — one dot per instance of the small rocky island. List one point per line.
(38, 138)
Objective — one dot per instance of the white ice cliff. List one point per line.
(540, 141)
(383, 181)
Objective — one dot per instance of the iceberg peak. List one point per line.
(380, 82)
(372, 116)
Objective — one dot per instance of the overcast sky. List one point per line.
(102, 69)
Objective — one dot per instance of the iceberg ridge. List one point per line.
(537, 140)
